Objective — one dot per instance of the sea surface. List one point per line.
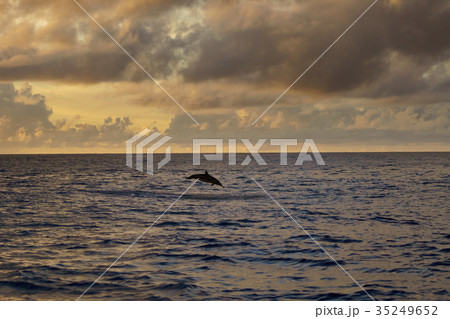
(384, 217)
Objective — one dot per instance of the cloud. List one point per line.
(387, 80)
(25, 122)
(256, 42)
(22, 111)
(272, 44)
(389, 125)
(239, 54)
(45, 40)
(89, 67)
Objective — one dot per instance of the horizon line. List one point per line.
(224, 153)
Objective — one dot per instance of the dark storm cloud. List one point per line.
(415, 30)
(241, 53)
(279, 53)
(89, 67)
(55, 42)
(160, 54)
(263, 43)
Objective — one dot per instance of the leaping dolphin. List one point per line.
(206, 178)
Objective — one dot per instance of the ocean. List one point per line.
(384, 217)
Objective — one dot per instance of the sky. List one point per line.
(66, 87)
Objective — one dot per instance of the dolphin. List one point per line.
(206, 178)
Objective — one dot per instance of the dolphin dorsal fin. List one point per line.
(206, 173)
